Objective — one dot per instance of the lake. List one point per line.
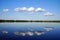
(30, 31)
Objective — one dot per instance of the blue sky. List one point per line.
(51, 7)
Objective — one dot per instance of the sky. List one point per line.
(30, 9)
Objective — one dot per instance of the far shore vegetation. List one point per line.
(29, 21)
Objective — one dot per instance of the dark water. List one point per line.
(24, 27)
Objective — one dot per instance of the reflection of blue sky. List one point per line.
(23, 27)
(52, 6)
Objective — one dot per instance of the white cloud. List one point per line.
(5, 10)
(23, 33)
(23, 8)
(30, 33)
(40, 10)
(5, 32)
(48, 28)
(31, 9)
(17, 9)
(48, 14)
(39, 33)
(20, 9)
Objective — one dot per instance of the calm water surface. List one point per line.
(25, 27)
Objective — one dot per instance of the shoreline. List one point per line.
(29, 21)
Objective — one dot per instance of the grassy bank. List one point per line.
(29, 20)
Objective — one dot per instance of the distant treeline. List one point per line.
(29, 20)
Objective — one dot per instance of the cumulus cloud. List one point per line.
(40, 10)
(31, 9)
(5, 10)
(21, 9)
(48, 28)
(17, 9)
(48, 14)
